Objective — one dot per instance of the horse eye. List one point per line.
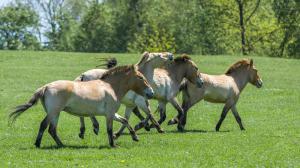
(196, 68)
(141, 78)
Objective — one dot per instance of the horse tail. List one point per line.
(39, 94)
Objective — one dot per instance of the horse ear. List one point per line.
(251, 62)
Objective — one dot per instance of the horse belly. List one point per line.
(216, 95)
(80, 107)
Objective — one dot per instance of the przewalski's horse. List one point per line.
(166, 85)
(146, 66)
(92, 98)
(224, 88)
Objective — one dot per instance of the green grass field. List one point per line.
(271, 116)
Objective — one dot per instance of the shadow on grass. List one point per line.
(55, 147)
(195, 131)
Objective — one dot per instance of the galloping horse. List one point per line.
(166, 84)
(92, 98)
(224, 88)
(146, 66)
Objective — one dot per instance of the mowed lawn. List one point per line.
(271, 116)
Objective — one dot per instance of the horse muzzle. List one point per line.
(149, 93)
(259, 83)
(199, 82)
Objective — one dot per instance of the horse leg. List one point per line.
(162, 112)
(95, 125)
(137, 112)
(109, 127)
(237, 117)
(146, 108)
(176, 105)
(122, 120)
(44, 124)
(180, 116)
(52, 131)
(82, 128)
(223, 115)
(127, 115)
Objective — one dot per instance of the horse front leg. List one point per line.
(223, 115)
(109, 127)
(122, 120)
(127, 116)
(137, 112)
(237, 117)
(180, 115)
(144, 105)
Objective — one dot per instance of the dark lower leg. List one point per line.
(109, 126)
(237, 117)
(43, 127)
(223, 115)
(82, 128)
(52, 132)
(155, 123)
(95, 125)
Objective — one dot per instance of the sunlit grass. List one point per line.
(270, 115)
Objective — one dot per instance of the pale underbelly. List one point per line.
(90, 108)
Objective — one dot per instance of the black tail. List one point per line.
(109, 62)
(22, 108)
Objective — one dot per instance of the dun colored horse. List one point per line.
(166, 84)
(92, 98)
(224, 89)
(146, 66)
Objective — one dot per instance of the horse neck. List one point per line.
(119, 85)
(147, 70)
(241, 78)
(176, 70)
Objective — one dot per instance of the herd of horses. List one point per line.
(100, 92)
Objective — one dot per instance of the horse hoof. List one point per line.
(81, 136)
(161, 131)
(135, 138)
(172, 122)
(116, 136)
(180, 128)
(147, 128)
(114, 146)
(37, 145)
(96, 131)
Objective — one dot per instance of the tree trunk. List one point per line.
(242, 25)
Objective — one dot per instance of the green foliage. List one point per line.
(17, 23)
(96, 31)
(196, 26)
(154, 39)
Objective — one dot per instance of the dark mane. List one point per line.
(237, 65)
(182, 58)
(117, 69)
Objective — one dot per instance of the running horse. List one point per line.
(224, 89)
(91, 98)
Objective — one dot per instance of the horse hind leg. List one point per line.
(237, 117)
(122, 120)
(109, 127)
(127, 116)
(223, 115)
(44, 124)
(82, 128)
(52, 131)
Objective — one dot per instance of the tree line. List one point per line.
(183, 26)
